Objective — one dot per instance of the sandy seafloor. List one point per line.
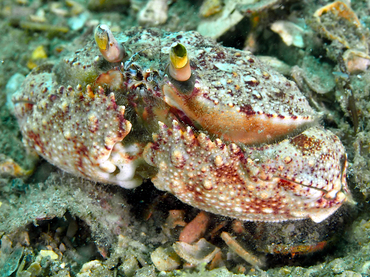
(92, 229)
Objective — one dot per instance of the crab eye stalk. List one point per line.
(179, 68)
(111, 50)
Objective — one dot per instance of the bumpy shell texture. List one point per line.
(236, 139)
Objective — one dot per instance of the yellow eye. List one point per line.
(179, 68)
(178, 56)
(102, 36)
(112, 50)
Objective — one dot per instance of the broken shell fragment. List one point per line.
(316, 76)
(198, 253)
(34, 269)
(338, 22)
(238, 249)
(356, 61)
(111, 50)
(289, 32)
(219, 24)
(195, 229)
(276, 64)
(8, 167)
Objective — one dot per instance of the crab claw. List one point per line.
(112, 51)
(297, 178)
(179, 68)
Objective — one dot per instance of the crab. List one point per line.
(212, 125)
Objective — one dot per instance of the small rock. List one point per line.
(337, 266)
(89, 267)
(210, 7)
(154, 13)
(39, 53)
(148, 271)
(39, 16)
(165, 259)
(11, 87)
(248, 7)
(365, 269)
(76, 8)
(349, 273)
(58, 9)
(46, 253)
(9, 263)
(129, 266)
(78, 22)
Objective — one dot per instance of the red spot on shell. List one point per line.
(52, 97)
(35, 138)
(247, 109)
(253, 83)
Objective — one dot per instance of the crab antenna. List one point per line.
(111, 50)
(179, 68)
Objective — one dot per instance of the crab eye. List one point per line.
(179, 68)
(101, 36)
(178, 56)
(111, 50)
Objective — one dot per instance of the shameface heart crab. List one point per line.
(211, 125)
